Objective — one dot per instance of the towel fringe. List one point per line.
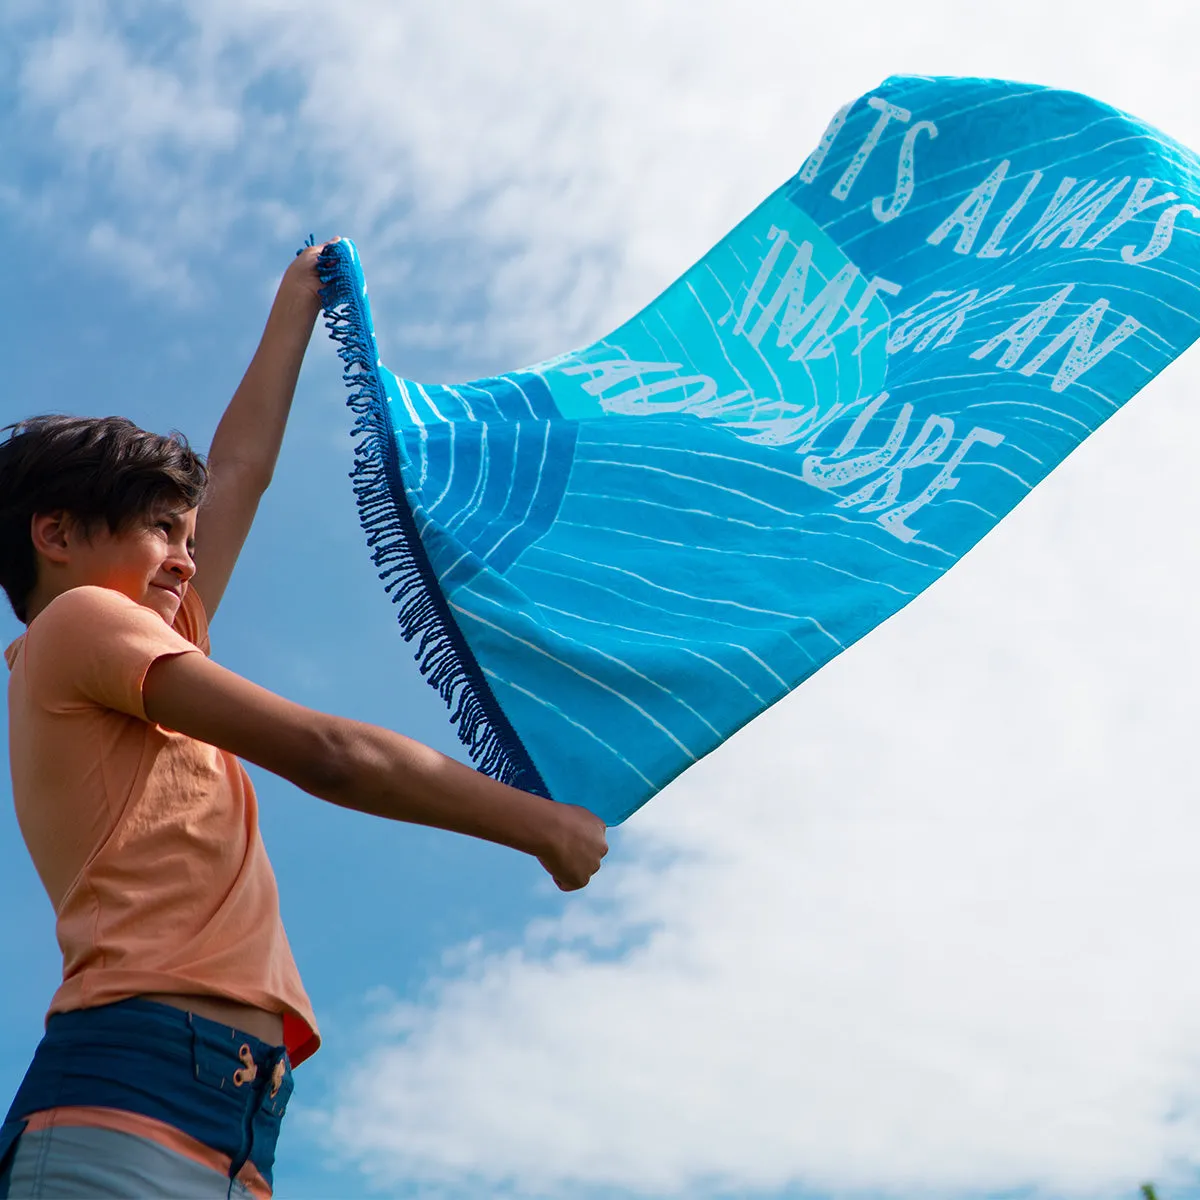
(442, 653)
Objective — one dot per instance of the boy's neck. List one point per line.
(43, 593)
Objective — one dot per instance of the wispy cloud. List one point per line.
(123, 150)
(104, 102)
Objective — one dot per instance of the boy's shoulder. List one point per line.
(95, 604)
(64, 614)
(84, 600)
(90, 607)
(94, 645)
(91, 614)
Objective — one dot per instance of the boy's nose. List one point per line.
(183, 568)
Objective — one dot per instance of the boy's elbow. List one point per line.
(247, 476)
(329, 765)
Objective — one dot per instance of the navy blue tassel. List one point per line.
(442, 653)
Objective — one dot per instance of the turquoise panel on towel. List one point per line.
(612, 560)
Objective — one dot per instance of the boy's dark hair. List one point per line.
(96, 469)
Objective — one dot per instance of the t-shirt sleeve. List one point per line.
(92, 645)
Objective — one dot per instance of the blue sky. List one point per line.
(926, 928)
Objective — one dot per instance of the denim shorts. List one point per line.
(226, 1089)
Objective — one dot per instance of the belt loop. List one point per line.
(192, 1033)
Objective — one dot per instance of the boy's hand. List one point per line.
(301, 278)
(578, 842)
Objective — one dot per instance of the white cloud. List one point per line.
(146, 159)
(105, 102)
(128, 255)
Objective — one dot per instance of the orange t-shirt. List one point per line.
(147, 841)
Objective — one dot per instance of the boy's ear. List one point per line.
(52, 535)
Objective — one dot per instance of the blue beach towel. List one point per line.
(612, 560)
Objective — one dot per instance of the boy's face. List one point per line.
(150, 562)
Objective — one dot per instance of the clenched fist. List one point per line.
(577, 841)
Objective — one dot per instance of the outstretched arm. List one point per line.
(367, 768)
(246, 444)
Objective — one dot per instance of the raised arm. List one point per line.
(366, 768)
(246, 443)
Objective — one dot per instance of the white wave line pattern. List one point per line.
(429, 400)
(965, 411)
(766, 612)
(716, 336)
(971, 504)
(915, 542)
(512, 470)
(408, 404)
(451, 426)
(657, 608)
(801, 529)
(1067, 433)
(532, 496)
(997, 467)
(1013, 404)
(651, 636)
(463, 515)
(524, 395)
(662, 350)
(466, 404)
(793, 476)
(1011, 445)
(620, 662)
(789, 558)
(602, 462)
(558, 712)
(474, 616)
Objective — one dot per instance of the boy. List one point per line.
(166, 1064)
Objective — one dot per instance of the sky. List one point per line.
(926, 928)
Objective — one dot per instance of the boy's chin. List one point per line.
(162, 601)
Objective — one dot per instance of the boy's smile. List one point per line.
(150, 562)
